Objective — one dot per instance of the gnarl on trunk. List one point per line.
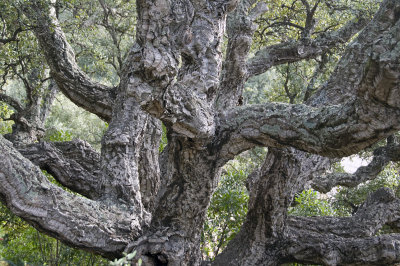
(130, 197)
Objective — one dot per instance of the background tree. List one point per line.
(179, 70)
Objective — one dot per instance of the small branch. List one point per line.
(113, 33)
(221, 239)
(382, 156)
(317, 72)
(13, 38)
(310, 21)
(290, 95)
(14, 103)
(48, 99)
(304, 49)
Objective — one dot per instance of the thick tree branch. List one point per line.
(381, 208)
(271, 189)
(180, 205)
(331, 250)
(74, 164)
(71, 80)
(326, 240)
(343, 129)
(240, 29)
(120, 151)
(149, 169)
(75, 220)
(370, 89)
(382, 156)
(176, 62)
(303, 49)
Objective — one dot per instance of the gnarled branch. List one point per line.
(344, 127)
(382, 156)
(73, 219)
(179, 93)
(240, 29)
(12, 38)
(74, 164)
(71, 80)
(381, 208)
(326, 240)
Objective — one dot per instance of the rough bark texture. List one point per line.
(74, 164)
(350, 240)
(137, 199)
(29, 120)
(71, 80)
(71, 218)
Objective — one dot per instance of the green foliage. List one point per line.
(59, 135)
(226, 213)
(126, 260)
(289, 82)
(285, 19)
(5, 112)
(23, 244)
(347, 200)
(228, 206)
(344, 201)
(18, 58)
(67, 121)
(164, 140)
(309, 203)
(100, 34)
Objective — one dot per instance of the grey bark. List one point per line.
(369, 89)
(29, 119)
(327, 240)
(73, 219)
(262, 237)
(71, 80)
(74, 164)
(155, 204)
(382, 157)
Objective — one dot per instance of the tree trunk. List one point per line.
(131, 198)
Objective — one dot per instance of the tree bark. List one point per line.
(71, 80)
(382, 157)
(77, 221)
(74, 164)
(29, 120)
(155, 204)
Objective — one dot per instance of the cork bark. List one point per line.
(130, 197)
